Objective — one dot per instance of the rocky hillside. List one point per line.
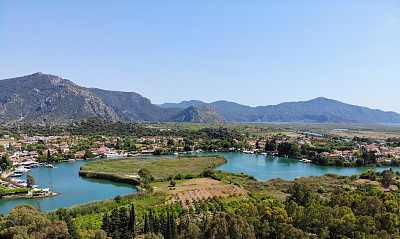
(47, 98)
(132, 107)
(43, 98)
(198, 114)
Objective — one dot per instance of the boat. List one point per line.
(20, 171)
(306, 160)
(49, 165)
(16, 174)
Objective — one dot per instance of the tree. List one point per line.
(22, 221)
(5, 162)
(124, 223)
(30, 180)
(145, 175)
(172, 183)
(88, 154)
(387, 178)
(230, 225)
(270, 145)
(301, 194)
(132, 221)
(57, 229)
(105, 226)
(100, 234)
(114, 224)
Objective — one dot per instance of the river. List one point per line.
(73, 188)
(78, 190)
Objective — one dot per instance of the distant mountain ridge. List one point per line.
(318, 110)
(44, 98)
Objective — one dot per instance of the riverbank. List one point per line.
(30, 197)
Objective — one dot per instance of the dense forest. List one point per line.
(97, 126)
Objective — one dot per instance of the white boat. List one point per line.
(49, 165)
(16, 175)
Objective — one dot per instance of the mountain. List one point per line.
(319, 110)
(198, 114)
(44, 98)
(47, 98)
(131, 106)
(182, 104)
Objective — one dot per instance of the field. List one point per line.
(160, 167)
(380, 132)
(202, 188)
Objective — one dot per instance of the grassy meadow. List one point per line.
(160, 167)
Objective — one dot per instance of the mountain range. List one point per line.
(44, 98)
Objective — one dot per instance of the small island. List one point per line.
(129, 170)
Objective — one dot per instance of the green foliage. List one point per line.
(30, 181)
(387, 178)
(369, 174)
(321, 189)
(5, 161)
(145, 175)
(26, 222)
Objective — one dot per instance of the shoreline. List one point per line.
(29, 197)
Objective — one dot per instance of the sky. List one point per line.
(249, 52)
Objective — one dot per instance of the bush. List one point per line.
(172, 183)
(321, 189)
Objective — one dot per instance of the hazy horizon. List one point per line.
(252, 53)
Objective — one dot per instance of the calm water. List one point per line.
(73, 188)
(77, 190)
(266, 167)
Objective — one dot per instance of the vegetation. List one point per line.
(329, 206)
(149, 169)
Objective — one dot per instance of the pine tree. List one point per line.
(73, 232)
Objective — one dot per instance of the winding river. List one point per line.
(78, 190)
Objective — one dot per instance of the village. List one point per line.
(43, 150)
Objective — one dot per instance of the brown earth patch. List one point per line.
(202, 187)
(362, 181)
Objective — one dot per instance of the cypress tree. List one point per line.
(156, 224)
(114, 224)
(173, 226)
(151, 221)
(124, 223)
(106, 223)
(163, 225)
(132, 221)
(146, 224)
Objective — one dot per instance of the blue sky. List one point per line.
(250, 52)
